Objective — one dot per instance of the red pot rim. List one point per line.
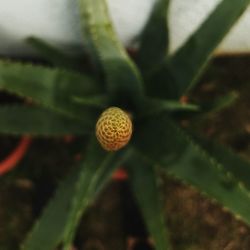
(11, 161)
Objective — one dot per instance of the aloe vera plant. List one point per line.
(69, 99)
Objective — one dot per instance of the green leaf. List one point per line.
(52, 54)
(123, 79)
(167, 145)
(143, 179)
(232, 162)
(181, 72)
(99, 101)
(48, 231)
(154, 106)
(51, 88)
(17, 120)
(91, 182)
(73, 196)
(154, 38)
(220, 103)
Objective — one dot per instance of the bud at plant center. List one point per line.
(114, 129)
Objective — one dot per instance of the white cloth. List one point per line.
(57, 21)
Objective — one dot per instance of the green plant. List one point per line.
(68, 99)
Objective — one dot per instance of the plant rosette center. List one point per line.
(114, 129)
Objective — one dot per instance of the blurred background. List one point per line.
(57, 22)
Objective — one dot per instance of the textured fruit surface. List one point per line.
(113, 129)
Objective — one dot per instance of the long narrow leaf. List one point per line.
(220, 103)
(72, 198)
(17, 120)
(90, 183)
(166, 144)
(233, 163)
(99, 101)
(52, 88)
(47, 235)
(123, 79)
(54, 55)
(181, 72)
(143, 179)
(154, 38)
(155, 106)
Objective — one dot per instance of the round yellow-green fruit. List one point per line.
(114, 129)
